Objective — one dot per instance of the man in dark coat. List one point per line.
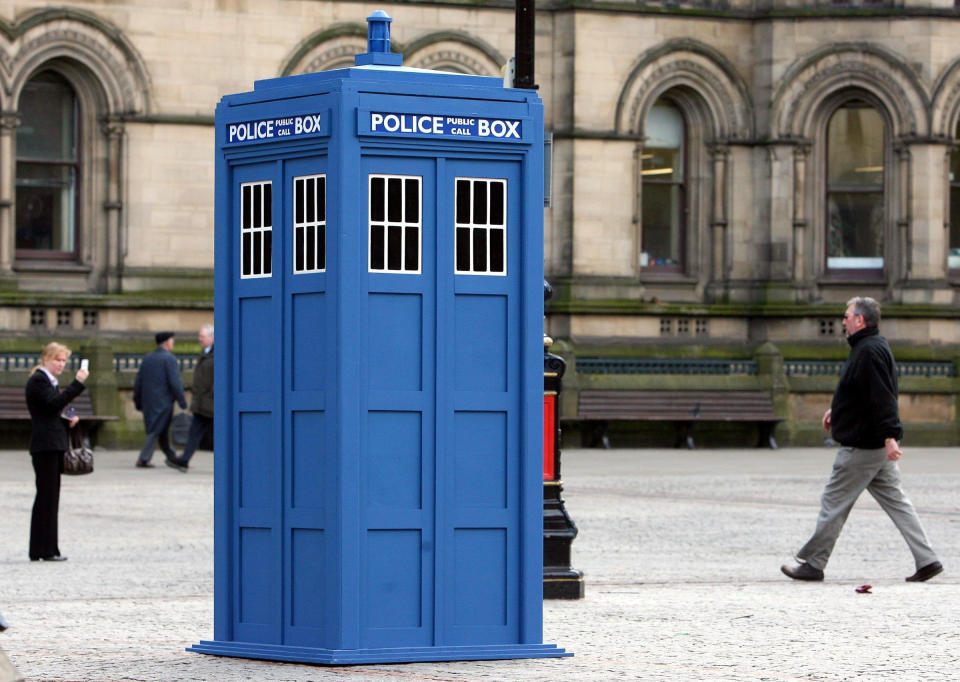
(157, 386)
(202, 403)
(865, 421)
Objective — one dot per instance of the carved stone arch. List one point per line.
(453, 51)
(92, 46)
(694, 67)
(331, 48)
(945, 103)
(813, 79)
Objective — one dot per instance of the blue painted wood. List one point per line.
(378, 491)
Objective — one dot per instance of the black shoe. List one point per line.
(144, 465)
(802, 571)
(55, 557)
(925, 573)
(176, 464)
(3, 624)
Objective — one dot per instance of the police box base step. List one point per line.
(294, 654)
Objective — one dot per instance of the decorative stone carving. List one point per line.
(335, 57)
(807, 85)
(686, 63)
(114, 63)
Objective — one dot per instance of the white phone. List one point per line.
(85, 364)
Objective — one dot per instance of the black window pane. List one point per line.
(856, 225)
(412, 201)
(376, 247)
(298, 201)
(268, 252)
(321, 198)
(48, 119)
(311, 249)
(45, 206)
(322, 247)
(311, 200)
(479, 250)
(246, 209)
(463, 201)
(496, 250)
(463, 249)
(257, 219)
(257, 254)
(376, 199)
(247, 257)
(267, 205)
(394, 200)
(411, 247)
(298, 249)
(480, 203)
(394, 247)
(661, 233)
(496, 202)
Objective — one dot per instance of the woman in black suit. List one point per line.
(48, 442)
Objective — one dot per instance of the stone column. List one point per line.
(115, 134)
(902, 266)
(9, 120)
(718, 212)
(924, 189)
(801, 155)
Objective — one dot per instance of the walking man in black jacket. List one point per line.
(865, 421)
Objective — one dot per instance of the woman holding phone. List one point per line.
(48, 441)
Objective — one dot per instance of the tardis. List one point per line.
(379, 323)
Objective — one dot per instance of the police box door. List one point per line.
(439, 456)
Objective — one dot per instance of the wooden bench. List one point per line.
(13, 407)
(683, 408)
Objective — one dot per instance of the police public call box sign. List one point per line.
(278, 128)
(449, 126)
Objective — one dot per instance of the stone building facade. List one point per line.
(724, 172)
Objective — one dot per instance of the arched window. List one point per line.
(855, 202)
(663, 191)
(48, 168)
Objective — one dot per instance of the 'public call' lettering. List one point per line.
(445, 126)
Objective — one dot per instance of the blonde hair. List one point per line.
(51, 350)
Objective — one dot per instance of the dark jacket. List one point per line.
(202, 402)
(156, 387)
(864, 411)
(45, 404)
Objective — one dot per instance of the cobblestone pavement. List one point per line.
(681, 552)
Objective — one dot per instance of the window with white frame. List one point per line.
(309, 224)
(256, 229)
(481, 226)
(395, 223)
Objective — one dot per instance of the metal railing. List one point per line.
(130, 362)
(835, 368)
(601, 365)
(18, 362)
(122, 362)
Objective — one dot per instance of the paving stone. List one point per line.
(680, 549)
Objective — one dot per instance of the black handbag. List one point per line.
(77, 459)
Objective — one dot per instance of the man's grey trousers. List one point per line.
(853, 470)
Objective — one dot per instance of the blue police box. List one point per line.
(379, 302)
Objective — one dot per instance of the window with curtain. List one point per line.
(855, 202)
(47, 168)
(663, 188)
(953, 256)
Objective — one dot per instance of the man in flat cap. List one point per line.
(157, 386)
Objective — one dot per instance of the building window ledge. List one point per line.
(64, 267)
